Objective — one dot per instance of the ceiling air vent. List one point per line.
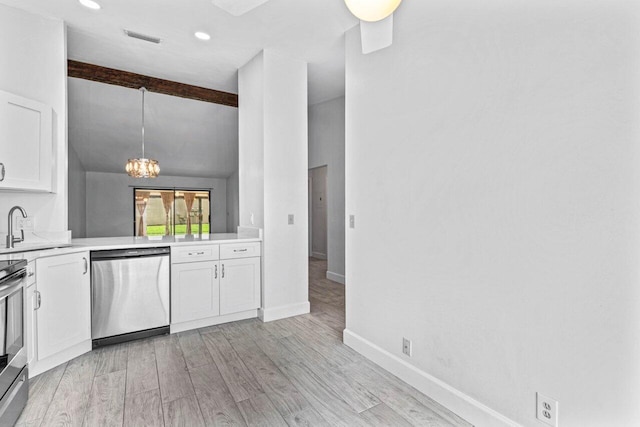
(142, 37)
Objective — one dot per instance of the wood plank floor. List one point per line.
(292, 372)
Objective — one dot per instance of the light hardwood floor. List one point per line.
(292, 372)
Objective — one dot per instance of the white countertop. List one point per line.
(103, 243)
(100, 243)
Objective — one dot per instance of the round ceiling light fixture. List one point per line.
(372, 10)
(202, 35)
(90, 4)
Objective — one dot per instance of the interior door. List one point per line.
(318, 223)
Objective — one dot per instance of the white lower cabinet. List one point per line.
(61, 308)
(206, 290)
(239, 285)
(195, 291)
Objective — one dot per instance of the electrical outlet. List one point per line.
(290, 219)
(547, 410)
(352, 221)
(406, 346)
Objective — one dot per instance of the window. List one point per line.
(160, 212)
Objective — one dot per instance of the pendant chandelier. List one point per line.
(143, 167)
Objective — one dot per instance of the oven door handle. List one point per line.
(11, 282)
(16, 388)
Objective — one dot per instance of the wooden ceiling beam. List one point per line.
(112, 76)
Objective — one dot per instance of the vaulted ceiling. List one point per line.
(311, 30)
(189, 138)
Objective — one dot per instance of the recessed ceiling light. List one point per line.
(90, 4)
(202, 36)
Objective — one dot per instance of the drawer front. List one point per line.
(240, 250)
(194, 253)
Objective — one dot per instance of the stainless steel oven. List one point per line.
(13, 354)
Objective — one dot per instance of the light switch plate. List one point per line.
(406, 347)
(352, 221)
(290, 219)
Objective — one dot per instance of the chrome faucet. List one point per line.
(10, 239)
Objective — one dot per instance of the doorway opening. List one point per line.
(318, 213)
(171, 211)
(327, 298)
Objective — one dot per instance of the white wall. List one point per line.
(233, 214)
(110, 201)
(77, 196)
(33, 64)
(251, 142)
(492, 163)
(273, 175)
(326, 147)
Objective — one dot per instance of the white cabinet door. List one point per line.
(239, 285)
(195, 291)
(64, 316)
(26, 148)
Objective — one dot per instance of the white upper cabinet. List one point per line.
(26, 144)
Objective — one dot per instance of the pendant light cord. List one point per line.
(143, 89)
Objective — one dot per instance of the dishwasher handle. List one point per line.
(129, 253)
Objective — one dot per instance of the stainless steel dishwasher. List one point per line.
(129, 294)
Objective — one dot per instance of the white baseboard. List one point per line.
(210, 321)
(451, 398)
(284, 311)
(318, 255)
(39, 366)
(335, 277)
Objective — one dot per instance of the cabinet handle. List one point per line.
(197, 253)
(38, 300)
(239, 250)
(216, 272)
(31, 274)
(223, 271)
(2, 170)
(86, 265)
